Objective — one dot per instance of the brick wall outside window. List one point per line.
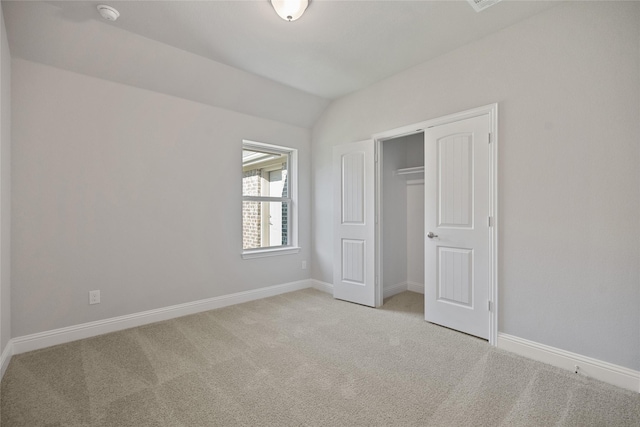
(251, 217)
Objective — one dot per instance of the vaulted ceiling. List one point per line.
(241, 56)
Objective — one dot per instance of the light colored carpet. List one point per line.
(298, 359)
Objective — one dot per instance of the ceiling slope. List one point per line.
(239, 55)
(335, 48)
(42, 33)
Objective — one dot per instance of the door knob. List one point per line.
(431, 235)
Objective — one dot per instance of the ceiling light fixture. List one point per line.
(107, 12)
(480, 5)
(290, 10)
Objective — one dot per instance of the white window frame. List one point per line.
(292, 182)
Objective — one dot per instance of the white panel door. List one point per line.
(354, 223)
(457, 207)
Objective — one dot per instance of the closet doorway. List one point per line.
(452, 188)
(385, 244)
(401, 207)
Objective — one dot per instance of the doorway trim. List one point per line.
(379, 138)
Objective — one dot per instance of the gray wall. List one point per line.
(568, 84)
(415, 213)
(394, 214)
(132, 192)
(5, 189)
(415, 234)
(402, 212)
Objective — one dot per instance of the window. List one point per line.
(269, 210)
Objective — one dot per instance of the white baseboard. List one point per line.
(5, 357)
(603, 371)
(415, 287)
(322, 286)
(405, 286)
(91, 329)
(394, 289)
(594, 368)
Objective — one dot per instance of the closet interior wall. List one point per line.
(402, 245)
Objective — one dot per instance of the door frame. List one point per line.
(492, 111)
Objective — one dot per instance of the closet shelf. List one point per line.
(411, 173)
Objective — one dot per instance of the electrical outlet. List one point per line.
(304, 265)
(94, 297)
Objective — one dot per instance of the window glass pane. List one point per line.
(275, 183)
(265, 224)
(264, 174)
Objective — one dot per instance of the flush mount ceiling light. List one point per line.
(290, 10)
(480, 5)
(107, 12)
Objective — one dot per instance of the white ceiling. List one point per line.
(337, 47)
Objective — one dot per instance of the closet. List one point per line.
(385, 193)
(402, 214)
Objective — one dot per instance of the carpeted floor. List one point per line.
(298, 359)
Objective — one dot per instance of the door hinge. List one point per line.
(489, 137)
(489, 222)
(489, 305)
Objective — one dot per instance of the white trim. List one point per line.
(266, 199)
(394, 289)
(264, 146)
(261, 253)
(400, 132)
(590, 367)
(493, 230)
(408, 286)
(5, 358)
(322, 286)
(379, 221)
(421, 126)
(91, 329)
(415, 287)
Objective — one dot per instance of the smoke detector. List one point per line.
(480, 5)
(107, 12)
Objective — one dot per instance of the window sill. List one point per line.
(261, 253)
